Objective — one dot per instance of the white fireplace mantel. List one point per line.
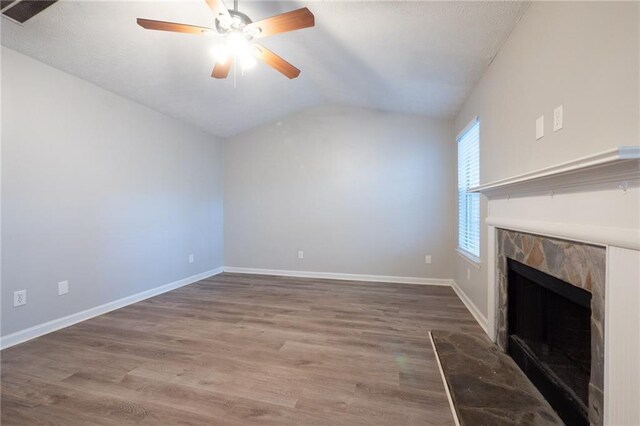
(620, 165)
(580, 201)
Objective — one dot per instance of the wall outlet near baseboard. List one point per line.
(63, 287)
(191, 258)
(300, 254)
(19, 298)
(427, 259)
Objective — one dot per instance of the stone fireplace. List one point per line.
(575, 221)
(541, 273)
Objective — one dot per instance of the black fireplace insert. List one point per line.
(549, 328)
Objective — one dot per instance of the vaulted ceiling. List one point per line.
(402, 56)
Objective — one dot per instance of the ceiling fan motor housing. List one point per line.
(237, 22)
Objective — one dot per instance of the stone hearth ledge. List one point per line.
(486, 385)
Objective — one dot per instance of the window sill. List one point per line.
(471, 259)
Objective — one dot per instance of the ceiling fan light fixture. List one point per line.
(237, 21)
(237, 42)
(221, 53)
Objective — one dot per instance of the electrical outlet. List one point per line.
(19, 298)
(557, 118)
(540, 127)
(300, 254)
(427, 259)
(468, 274)
(63, 287)
(191, 258)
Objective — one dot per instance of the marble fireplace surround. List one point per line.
(579, 264)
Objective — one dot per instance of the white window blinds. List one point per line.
(469, 176)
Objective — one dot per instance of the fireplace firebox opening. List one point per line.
(549, 337)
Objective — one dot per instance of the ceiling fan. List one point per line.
(239, 32)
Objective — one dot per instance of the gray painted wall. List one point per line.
(100, 191)
(583, 55)
(358, 191)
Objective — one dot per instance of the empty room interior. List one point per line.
(337, 213)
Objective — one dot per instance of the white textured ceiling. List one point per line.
(403, 56)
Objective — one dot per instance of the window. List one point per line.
(469, 204)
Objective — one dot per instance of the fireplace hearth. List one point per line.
(550, 338)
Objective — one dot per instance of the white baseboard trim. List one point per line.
(339, 276)
(481, 319)
(56, 324)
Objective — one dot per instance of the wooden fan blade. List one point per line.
(289, 21)
(275, 61)
(218, 8)
(150, 24)
(221, 70)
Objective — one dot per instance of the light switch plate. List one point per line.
(300, 254)
(540, 127)
(557, 118)
(427, 259)
(191, 258)
(63, 287)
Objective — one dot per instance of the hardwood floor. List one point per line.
(240, 350)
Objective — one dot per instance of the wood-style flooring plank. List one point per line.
(239, 349)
